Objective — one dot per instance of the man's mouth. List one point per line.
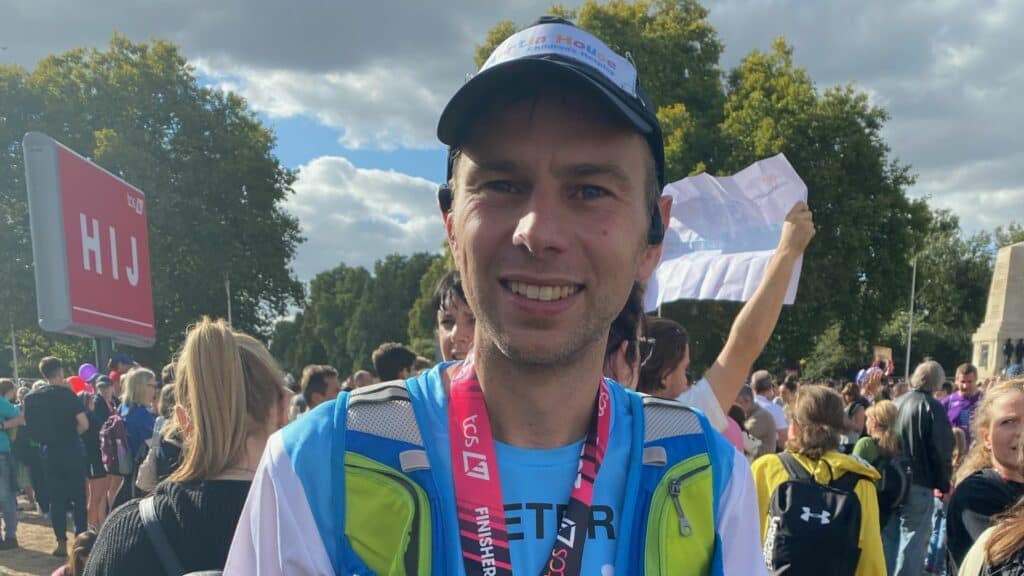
(542, 293)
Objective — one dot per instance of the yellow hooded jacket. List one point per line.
(769, 474)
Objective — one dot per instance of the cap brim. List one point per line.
(472, 97)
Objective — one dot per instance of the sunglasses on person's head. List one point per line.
(646, 346)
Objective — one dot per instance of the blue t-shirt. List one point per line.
(7, 412)
(536, 484)
(138, 425)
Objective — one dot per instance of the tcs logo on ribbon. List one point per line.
(474, 464)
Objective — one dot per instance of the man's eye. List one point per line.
(502, 186)
(592, 192)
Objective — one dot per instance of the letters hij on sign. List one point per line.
(90, 245)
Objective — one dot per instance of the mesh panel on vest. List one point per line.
(663, 421)
(393, 419)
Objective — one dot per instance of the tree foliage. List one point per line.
(350, 312)
(1007, 235)
(953, 277)
(857, 269)
(423, 315)
(213, 186)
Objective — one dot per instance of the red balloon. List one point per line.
(77, 384)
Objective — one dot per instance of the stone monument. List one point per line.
(998, 338)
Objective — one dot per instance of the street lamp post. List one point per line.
(910, 327)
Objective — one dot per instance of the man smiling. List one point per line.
(521, 459)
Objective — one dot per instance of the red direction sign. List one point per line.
(90, 245)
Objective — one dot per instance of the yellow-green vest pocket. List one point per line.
(387, 518)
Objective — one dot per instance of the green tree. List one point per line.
(335, 298)
(283, 340)
(213, 187)
(857, 269)
(383, 314)
(422, 315)
(1009, 234)
(829, 358)
(34, 345)
(953, 277)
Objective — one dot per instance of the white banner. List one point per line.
(723, 231)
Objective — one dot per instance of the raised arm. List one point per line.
(756, 321)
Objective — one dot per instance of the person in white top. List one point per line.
(716, 392)
(764, 387)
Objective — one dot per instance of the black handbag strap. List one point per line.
(168, 559)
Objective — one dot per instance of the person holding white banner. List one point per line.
(717, 391)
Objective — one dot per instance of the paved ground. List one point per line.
(36, 541)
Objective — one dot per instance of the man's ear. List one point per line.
(449, 229)
(652, 255)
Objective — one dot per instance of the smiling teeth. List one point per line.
(542, 293)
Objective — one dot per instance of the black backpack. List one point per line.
(892, 486)
(813, 528)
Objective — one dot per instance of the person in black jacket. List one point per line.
(56, 418)
(927, 441)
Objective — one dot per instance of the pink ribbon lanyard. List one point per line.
(482, 530)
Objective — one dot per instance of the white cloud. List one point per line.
(357, 216)
(372, 108)
(949, 73)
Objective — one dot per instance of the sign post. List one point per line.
(90, 245)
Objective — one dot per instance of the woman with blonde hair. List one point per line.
(991, 477)
(139, 390)
(880, 447)
(816, 422)
(230, 400)
(999, 550)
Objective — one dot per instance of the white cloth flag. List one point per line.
(723, 231)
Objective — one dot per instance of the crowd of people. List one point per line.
(562, 432)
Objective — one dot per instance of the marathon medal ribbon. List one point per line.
(482, 530)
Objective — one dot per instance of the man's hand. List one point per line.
(797, 231)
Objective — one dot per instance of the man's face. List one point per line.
(549, 226)
(967, 384)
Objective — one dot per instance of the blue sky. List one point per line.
(353, 91)
(301, 139)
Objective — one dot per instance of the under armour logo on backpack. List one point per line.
(824, 516)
